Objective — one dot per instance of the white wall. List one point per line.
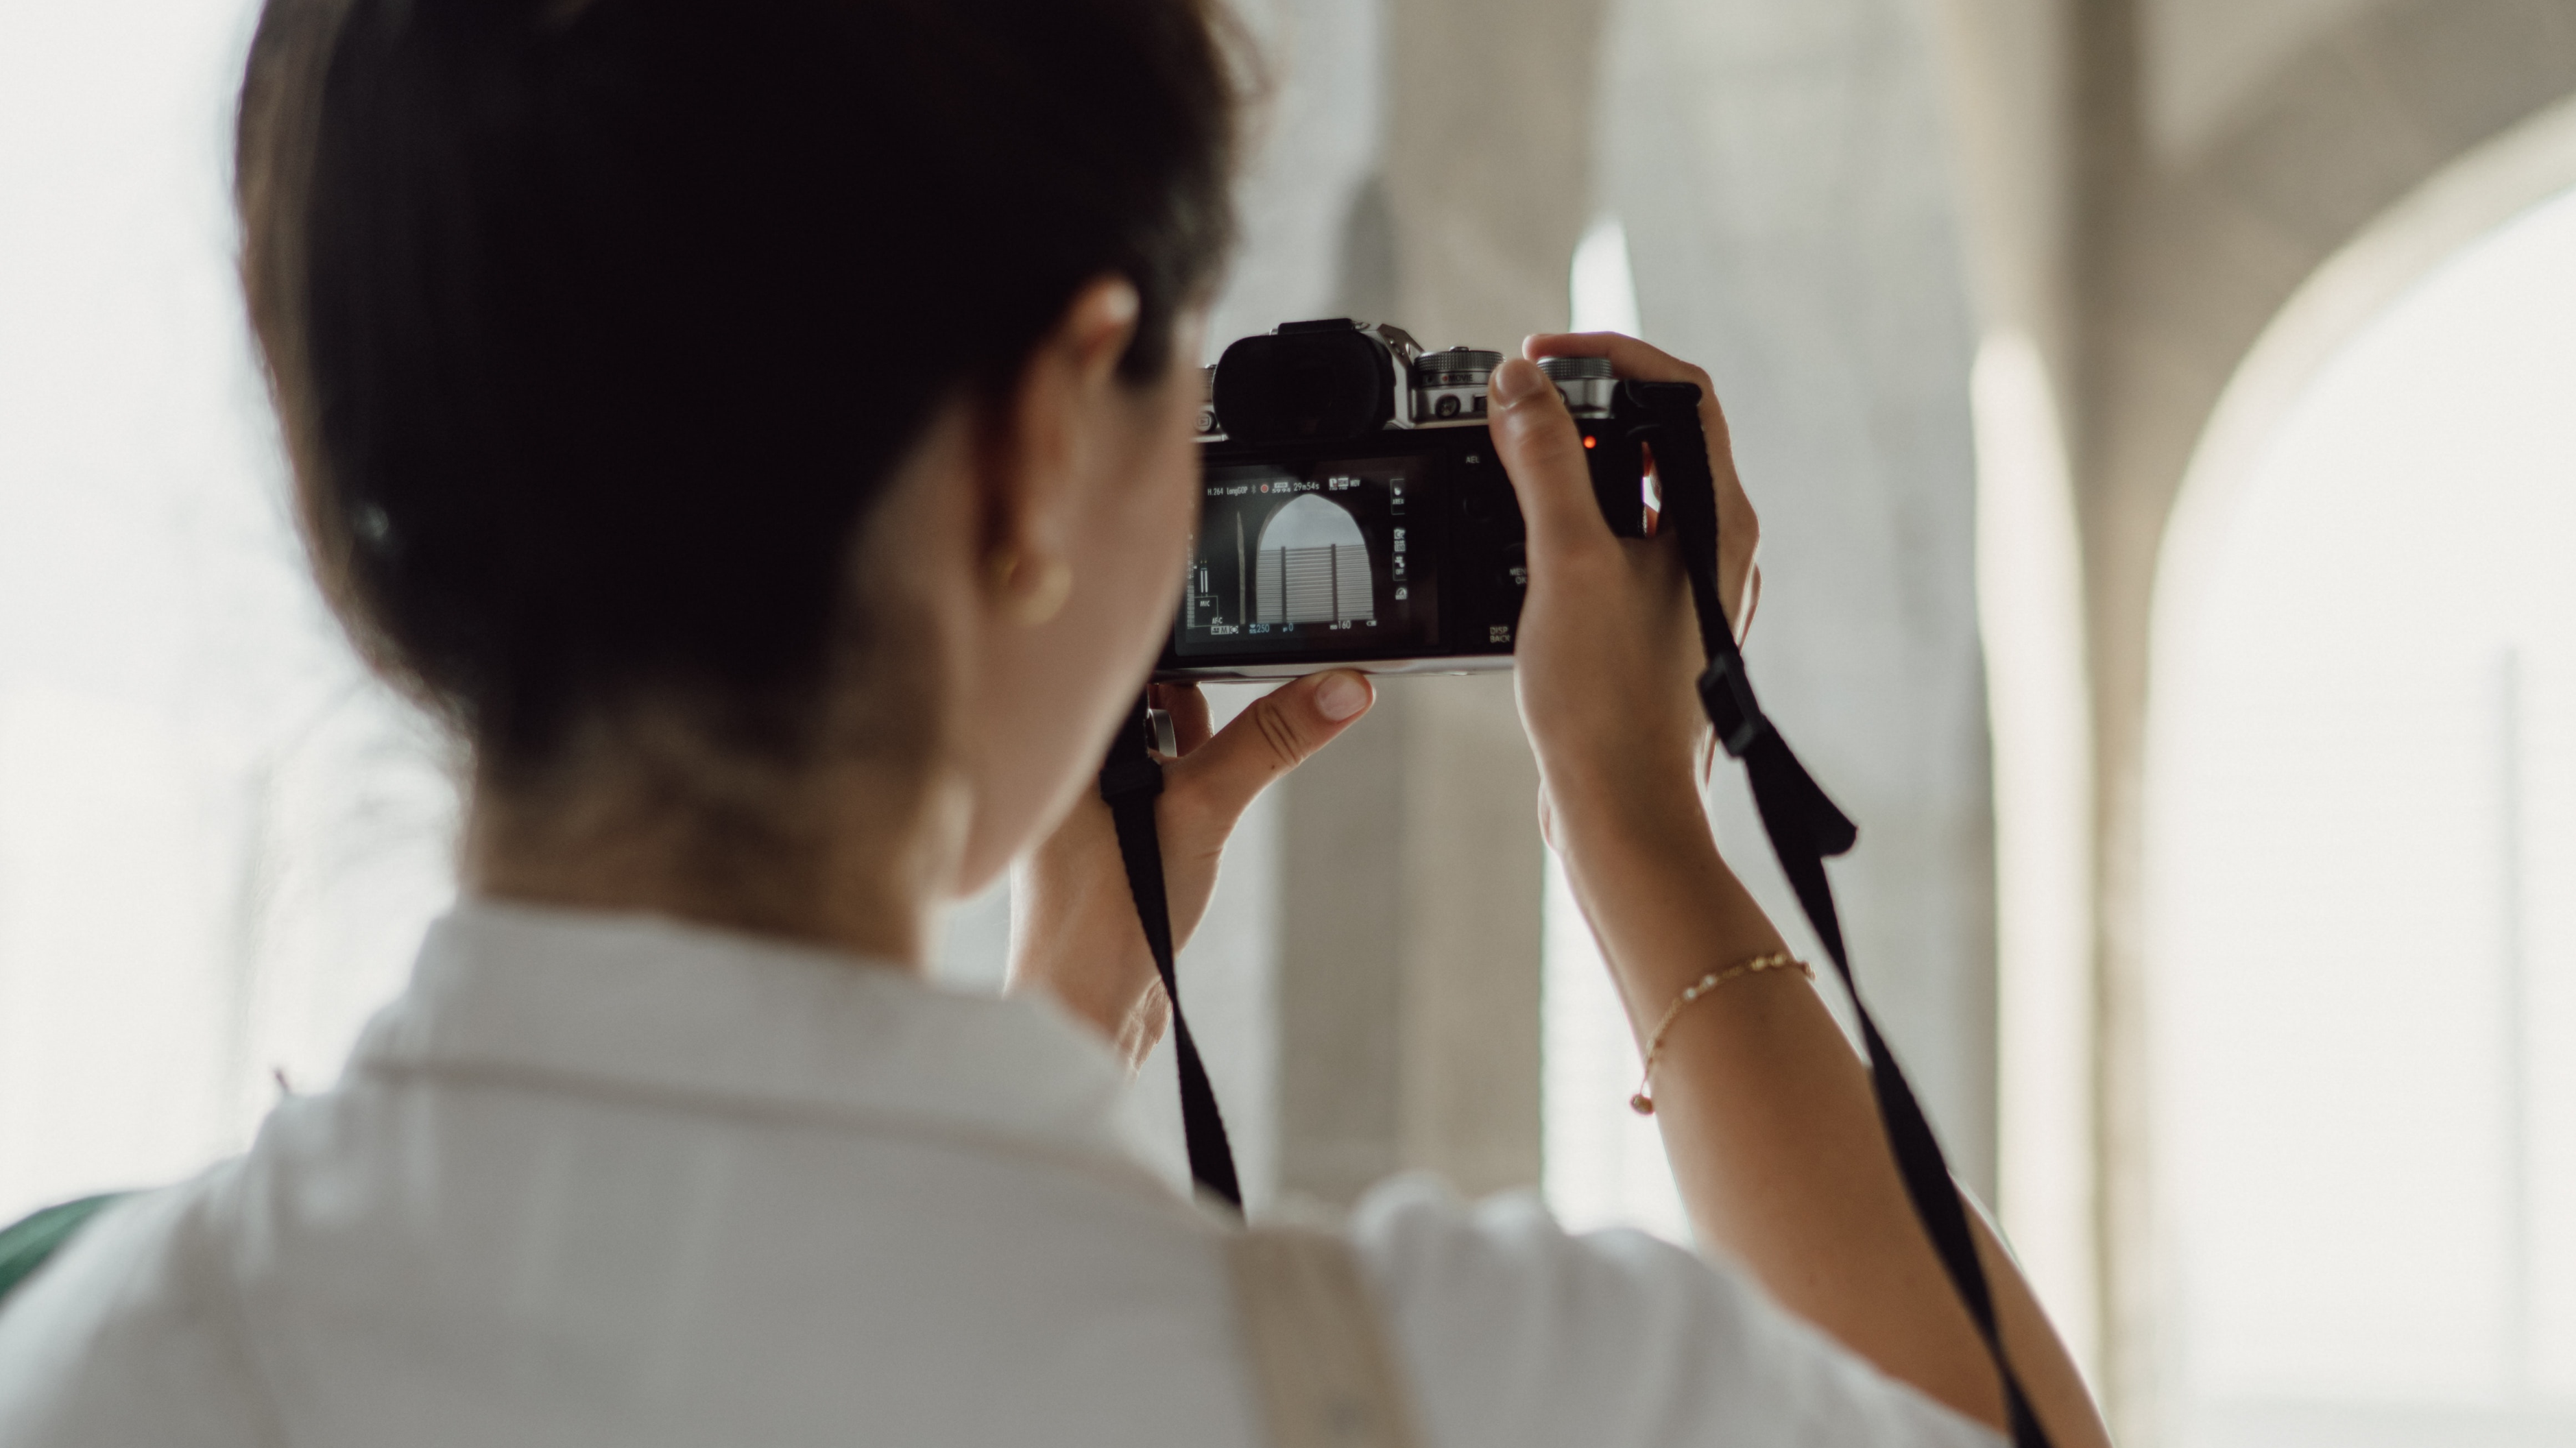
(218, 839)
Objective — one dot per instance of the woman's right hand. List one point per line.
(1739, 531)
(1608, 650)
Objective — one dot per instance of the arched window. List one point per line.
(2362, 876)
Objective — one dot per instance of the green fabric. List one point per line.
(30, 1242)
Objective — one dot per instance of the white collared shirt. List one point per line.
(603, 1180)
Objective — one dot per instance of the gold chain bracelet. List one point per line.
(1644, 1104)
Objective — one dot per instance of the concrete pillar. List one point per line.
(1487, 162)
(1409, 863)
(1340, 992)
(1784, 184)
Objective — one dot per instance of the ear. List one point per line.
(1050, 424)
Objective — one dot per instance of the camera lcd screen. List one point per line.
(1300, 557)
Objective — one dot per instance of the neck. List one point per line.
(851, 854)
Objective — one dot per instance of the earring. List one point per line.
(1030, 596)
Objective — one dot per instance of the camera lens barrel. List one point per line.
(1585, 382)
(1450, 386)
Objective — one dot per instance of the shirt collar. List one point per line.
(686, 1013)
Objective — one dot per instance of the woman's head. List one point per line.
(607, 335)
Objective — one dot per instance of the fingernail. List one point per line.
(1516, 381)
(1341, 695)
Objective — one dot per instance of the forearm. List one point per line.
(1774, 1137)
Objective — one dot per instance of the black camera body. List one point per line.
(1353, 512)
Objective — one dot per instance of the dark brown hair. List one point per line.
(596, 328)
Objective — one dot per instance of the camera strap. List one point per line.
(1806, 829)
(1131, 780)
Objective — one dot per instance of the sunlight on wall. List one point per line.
(2030, 610)
(2362, 828)
(218, 839)
(1603, 292)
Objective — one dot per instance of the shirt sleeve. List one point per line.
(1513, 1331)
(110, 1343)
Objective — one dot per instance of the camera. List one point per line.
(1352, 511)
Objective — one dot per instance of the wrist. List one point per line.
(1628, 810)
(1127, 1007)
(1661, 899)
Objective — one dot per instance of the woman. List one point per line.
(762, 431)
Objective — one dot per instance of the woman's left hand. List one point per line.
(1073, 922)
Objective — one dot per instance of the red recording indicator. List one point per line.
(1591, 442)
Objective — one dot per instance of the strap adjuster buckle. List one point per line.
(1726, 693)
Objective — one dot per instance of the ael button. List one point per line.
(1488, 500)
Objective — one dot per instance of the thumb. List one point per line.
(1542, 453)
(1281, 730)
